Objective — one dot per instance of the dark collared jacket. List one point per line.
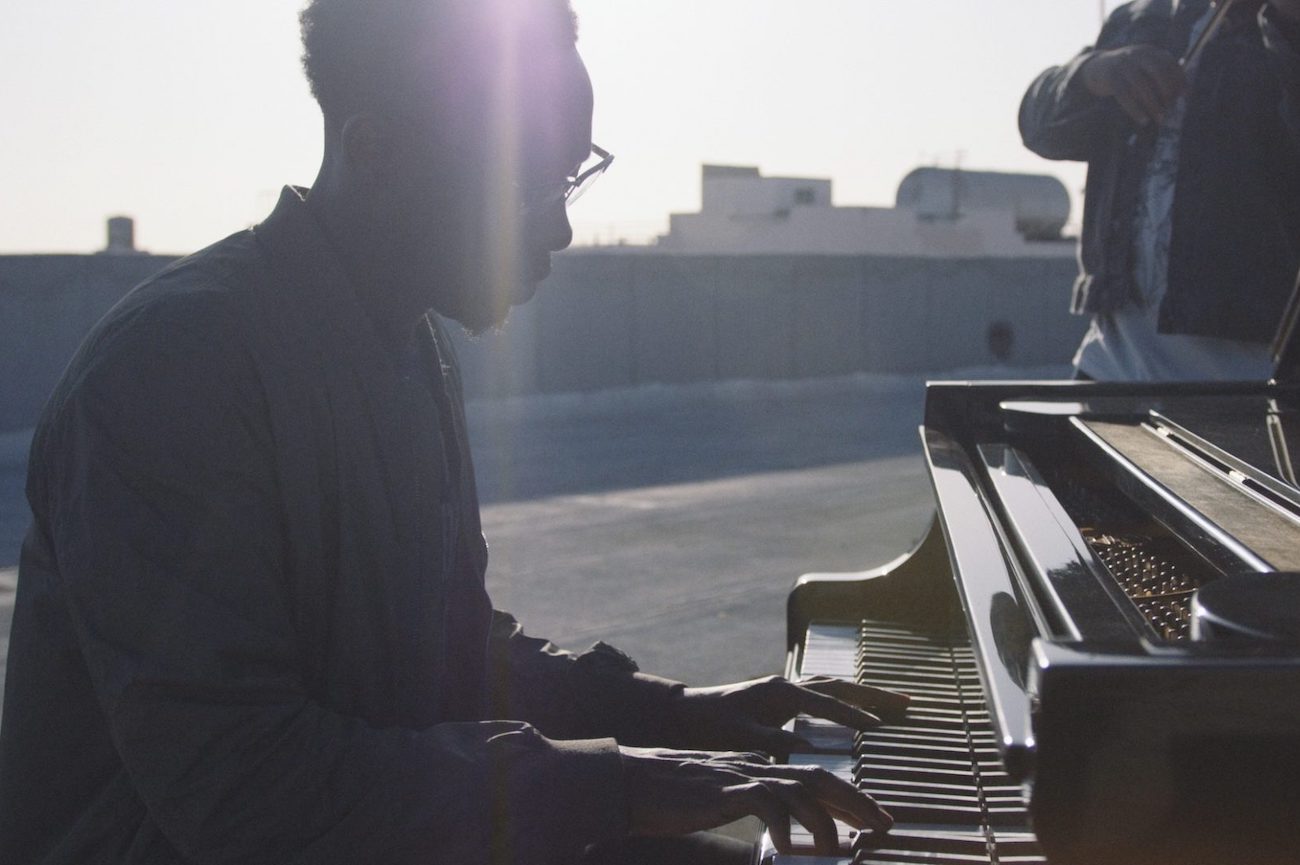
(251, 624)
(1235, 247)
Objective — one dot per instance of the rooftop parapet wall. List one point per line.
(621, 320)
(47, 305)
(626, 319)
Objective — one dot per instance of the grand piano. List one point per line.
(1101, 632)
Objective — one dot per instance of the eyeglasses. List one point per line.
(572, 188)
(596, 165)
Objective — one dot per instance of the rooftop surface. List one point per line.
(672, 521)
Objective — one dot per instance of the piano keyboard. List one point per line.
(937, 771)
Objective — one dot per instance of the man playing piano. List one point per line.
(251, 623)
(1188, 115)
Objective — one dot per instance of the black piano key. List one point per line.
(918, 725)
(902, 788)
(907, 664)
(968, 800)
(922, 710)
(1019, 852)
(934, 668)
(948, 847)
(916, 663)
(957, 788)
(911, 812)
(961, 799)
(939, 775)
(887, 734)
(903, 657)
(875, 643)
(882, 747)
(902, 635)
(922, 694)
(892, 761)
(1013, 800)
(944, 846)
(939, 670)
(827, 736)
(942, 679)
(889, 857)
(1007, 816)
(931, 739)
(995, 778)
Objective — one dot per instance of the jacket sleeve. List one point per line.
(162, 505)
(1282, 41)
(597, 693)
(1059, 118)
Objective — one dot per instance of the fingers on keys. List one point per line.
(813, 797)
(857, 706)
(862, 696)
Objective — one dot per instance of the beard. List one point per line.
(477, 327)
(484, 306)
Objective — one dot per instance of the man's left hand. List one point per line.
(748, 716)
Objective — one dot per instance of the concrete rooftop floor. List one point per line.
(671, 521)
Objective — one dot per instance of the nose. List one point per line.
(554, 231)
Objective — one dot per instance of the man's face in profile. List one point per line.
(477, 205)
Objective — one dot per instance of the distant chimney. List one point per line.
(121, 235)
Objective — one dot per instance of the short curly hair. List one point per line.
(362, 53)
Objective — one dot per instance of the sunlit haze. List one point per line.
(189, 116)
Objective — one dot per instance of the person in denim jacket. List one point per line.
(1191, 227)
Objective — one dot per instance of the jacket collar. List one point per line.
(318, 315)
(314, 282)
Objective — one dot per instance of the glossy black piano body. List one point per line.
(1146, 721)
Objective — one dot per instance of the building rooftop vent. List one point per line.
(713, 172)
(121, 236)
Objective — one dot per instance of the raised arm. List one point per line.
(1074, 110)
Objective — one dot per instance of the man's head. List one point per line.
(447, 122)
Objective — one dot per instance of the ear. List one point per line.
(367, 144)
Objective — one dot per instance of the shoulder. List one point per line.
(177, 346)
(199, 302)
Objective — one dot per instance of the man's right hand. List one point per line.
(676, 792)
(1143, 79)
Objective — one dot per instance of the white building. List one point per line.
(940, 213)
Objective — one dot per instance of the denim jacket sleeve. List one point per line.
(1059, 118)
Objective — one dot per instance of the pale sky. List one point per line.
(189, 115)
